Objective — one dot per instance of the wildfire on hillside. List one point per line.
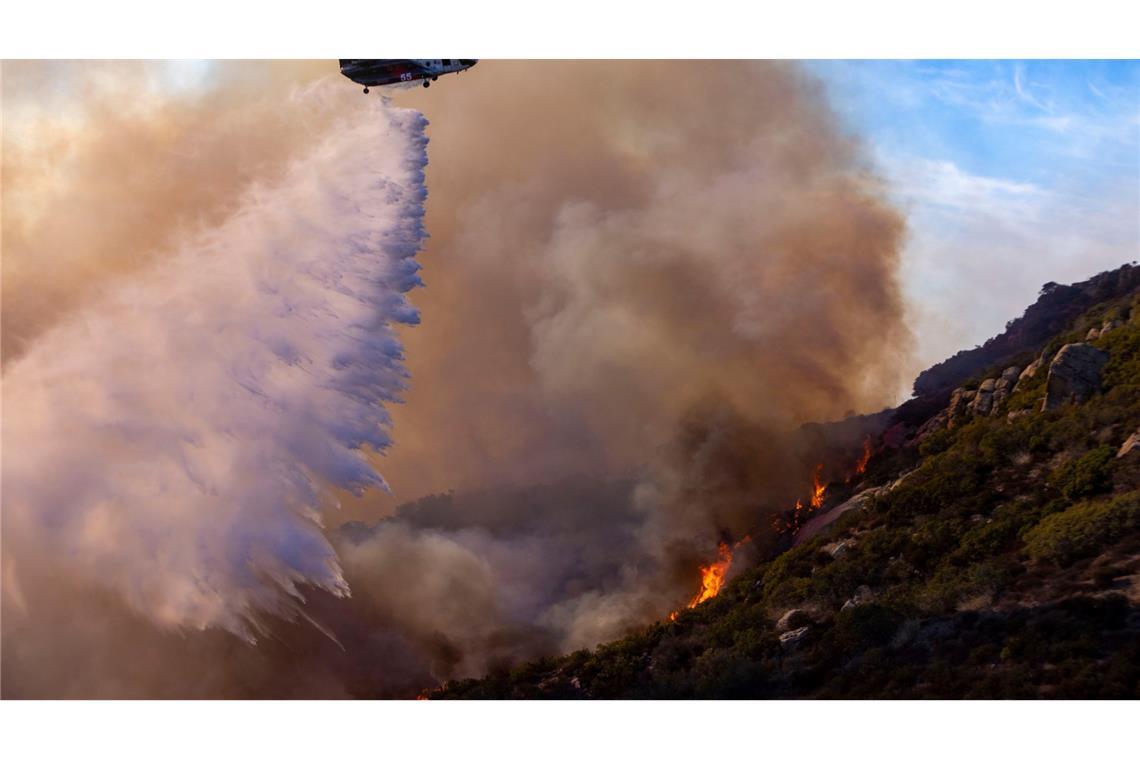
(713, 575)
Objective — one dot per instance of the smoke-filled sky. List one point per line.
(638, 280)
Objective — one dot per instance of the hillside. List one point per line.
(991, 548)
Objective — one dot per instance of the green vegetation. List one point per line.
(1084, 529)
(1085, 476)
(998, 567)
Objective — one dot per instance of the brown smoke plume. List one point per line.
(106, 170)
(613, 242)
(641, 277)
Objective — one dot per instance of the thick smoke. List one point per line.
(614, 242)
(110, 165)
(641, 277)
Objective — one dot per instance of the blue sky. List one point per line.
(1011, 173)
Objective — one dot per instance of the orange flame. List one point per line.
(712, 575)
(817, 489)
(802, 512)
(861, 466)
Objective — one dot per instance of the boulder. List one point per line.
(1004, 386)
(1092, 334)
(819, 523)
(862, 596)
(960, 405)
(932, 425)
(983, 401)
(793, 638)
(837, 549)
(1132, 444)
(1009, 377)
(899, 480)
(793, 619)
(1074, 375)
(1030, 371)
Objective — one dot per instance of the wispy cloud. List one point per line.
(1012, 174)
(946, 185)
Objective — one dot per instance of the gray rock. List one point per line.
(897, 481)
(1074, 375)
(793, 619)
(837, 549)
(1092, 334)
(1030, 371)
(1004, 386)
(1129, 446)
(961, 401)
(819, 523)
(793, 638)
(862, 596)
(932, 425)
(1018, 413)
(983, 401)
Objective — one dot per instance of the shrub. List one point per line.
(951, 584)
(1029, 391)
(1123, 346)
(1084, 529)
(1086, 475)
(936, 442)
(990, 537)
(955, 479)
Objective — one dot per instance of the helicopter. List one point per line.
(376, 72)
